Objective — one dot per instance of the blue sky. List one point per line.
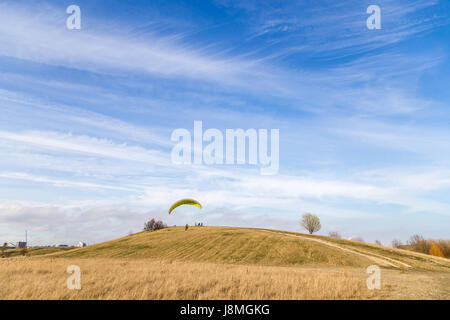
(87, 115)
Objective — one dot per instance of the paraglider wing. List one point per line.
(185, 201)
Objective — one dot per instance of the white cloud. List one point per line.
(42, 37)
(86, 145)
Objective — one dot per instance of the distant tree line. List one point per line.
(417, 243)
(439, 248)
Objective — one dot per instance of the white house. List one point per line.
(81, 244)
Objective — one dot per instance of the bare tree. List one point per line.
(159, 225)
(153, 225)
(148, 226)
(334, 234)
(419, 244)
(396, 243)
(310, 222)
(444, 245)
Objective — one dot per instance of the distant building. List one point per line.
(21, 245)
(81, 244)
(9, 245)
(62, 245)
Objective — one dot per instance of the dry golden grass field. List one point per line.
(224, 263)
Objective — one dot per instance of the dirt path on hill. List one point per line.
(380, 260)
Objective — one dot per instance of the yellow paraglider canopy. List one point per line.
(185, 201)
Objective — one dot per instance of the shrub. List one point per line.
(148, 226)
(396, 243)
(440, 248)
(153, 225)
(435, 251)
(419, 244)
(334, 234)
(159, 225)
(444, 245)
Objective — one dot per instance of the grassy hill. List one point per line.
(399, 257)
(38, 251)
(255, 246)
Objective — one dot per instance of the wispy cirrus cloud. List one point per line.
(96, 51)
(333, 29)
(85, 145)
(99, 51)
